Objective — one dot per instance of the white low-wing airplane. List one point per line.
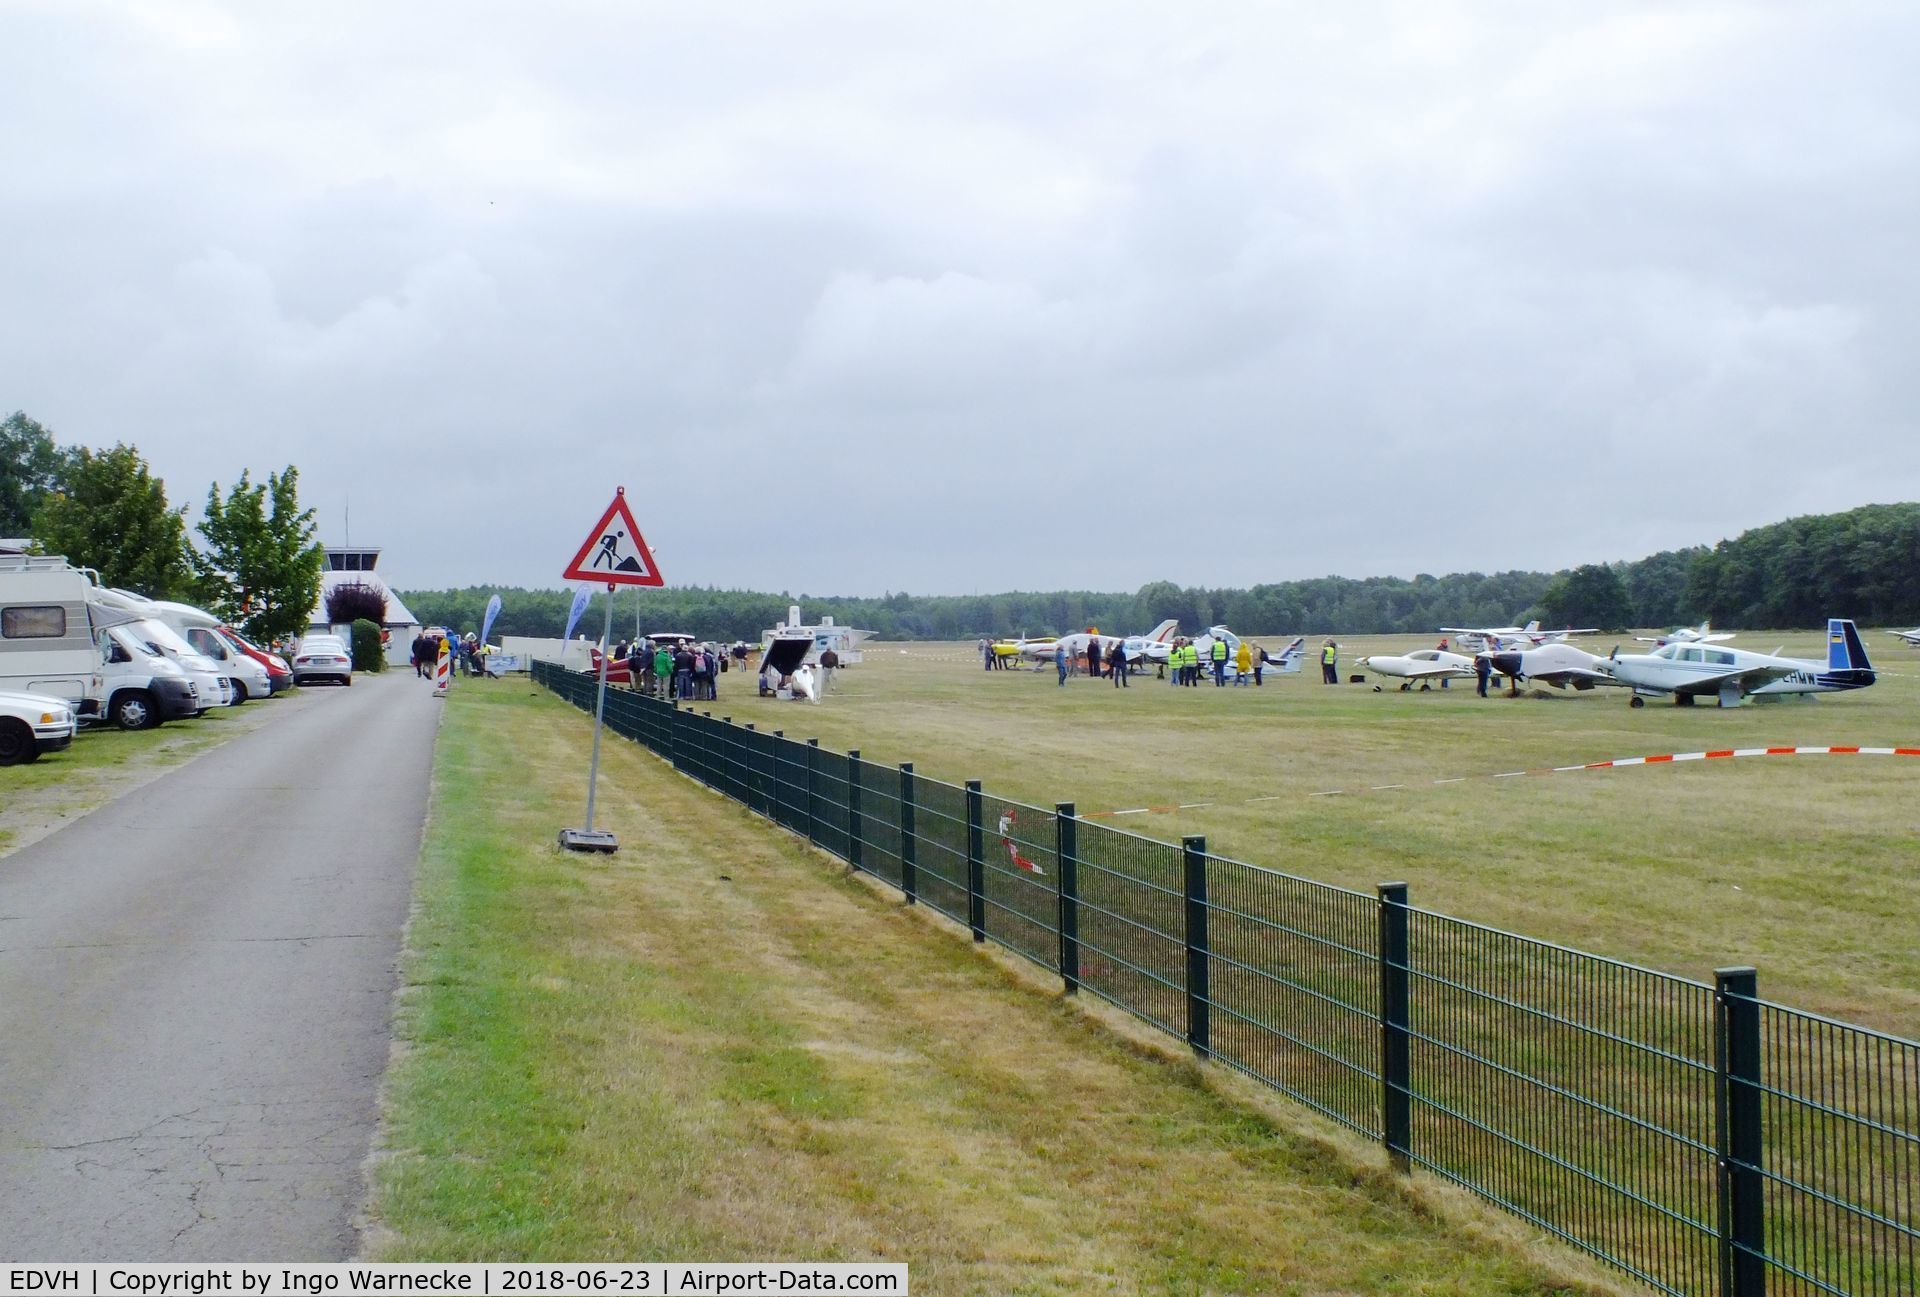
(1688, 671)
(1556, 664)
(1910, 636)
(1704, 633)
(1507, 637)
(1418, 667)
(1041, 650)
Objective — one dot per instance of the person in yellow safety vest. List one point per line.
(1193, 664)
(1329, 660)
(1219, 655)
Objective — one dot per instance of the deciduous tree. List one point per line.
(30, 466)
(111, 514)
(262, 566)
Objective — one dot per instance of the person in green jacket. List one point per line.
(663, 670)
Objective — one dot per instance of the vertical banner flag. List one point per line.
(486, 624)
(579, 606)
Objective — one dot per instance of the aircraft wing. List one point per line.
(1577, 677)
(1435, 670)
(1910, 636)
(1747, 679)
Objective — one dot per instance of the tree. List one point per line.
(111, 514)
(1590, 595)
(30, 466)
(356, 601)
(262, 565)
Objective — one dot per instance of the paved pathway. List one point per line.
(195, 990)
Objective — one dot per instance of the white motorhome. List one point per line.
(199, 629)
(54, 640)
(215, 688)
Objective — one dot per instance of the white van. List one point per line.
(55, 641)
(215, 689)
(246, 678)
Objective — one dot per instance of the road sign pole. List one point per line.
(587, 839)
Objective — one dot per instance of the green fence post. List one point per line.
(779, 812)
(1193, 850)
(909, 876)
(730, 785)
(813, 791)
(976, 862)
(1737, 1093)
(853, 808)
(1396, 1052)
(1066, 850)
(753, 770)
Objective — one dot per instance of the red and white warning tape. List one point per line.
(1616, 763)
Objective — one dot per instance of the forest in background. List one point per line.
(1864, 564)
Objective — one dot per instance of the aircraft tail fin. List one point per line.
(1163, 633)
(1845, 652)
(1533, 626)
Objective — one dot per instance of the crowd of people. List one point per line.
(680, 671)
(466, 652)
(1187, 662)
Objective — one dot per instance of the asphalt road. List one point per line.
(196, 985)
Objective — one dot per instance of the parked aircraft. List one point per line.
(1910, 636)
(1688, 671)
(1422, 666)
(1507, 637)
(1559, 665)
(1704, 633)
(1041, 650)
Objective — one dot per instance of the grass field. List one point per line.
(718, 1044)
(1802, 866)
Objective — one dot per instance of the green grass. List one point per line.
(1801, 866)
(717, 1045)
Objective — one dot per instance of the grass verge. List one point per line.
(716, 1045)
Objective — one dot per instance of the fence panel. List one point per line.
(1574, 1091)
(1295, 988)
(940, 845)
(1021, 879)
(1133, 945)
(830, 802)
(1840, 1118)
(879, 819)
(790, 784)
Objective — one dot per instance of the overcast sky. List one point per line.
(944, 298)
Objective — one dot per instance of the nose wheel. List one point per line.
(1636, 701)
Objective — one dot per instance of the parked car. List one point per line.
(279, 674)
(33, 724)
(322, 657)
(247, 677)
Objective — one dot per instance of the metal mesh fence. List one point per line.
(1132, 911)
(1840, 1177)
(1295, 988)
(1701, 1139)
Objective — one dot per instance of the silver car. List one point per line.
(322, 657)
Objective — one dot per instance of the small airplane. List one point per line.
(1422, 667)
(1910, 636)
(1704, 633)
(1504, 637)
(1689, 671)
(1042, 650)
(1556, 664)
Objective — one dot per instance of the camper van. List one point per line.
(216, 690)
(200, 631)
(55, 640)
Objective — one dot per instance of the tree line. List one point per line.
(1864, 564)
(257, 562)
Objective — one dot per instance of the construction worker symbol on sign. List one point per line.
(610, 554)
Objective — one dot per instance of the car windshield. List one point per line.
(132, 644)
(322, 644)
(161, 636)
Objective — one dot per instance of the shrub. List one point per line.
(355, 600)
(368, 655)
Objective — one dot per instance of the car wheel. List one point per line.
(134, 710)
(240, 694)
(16, 743)
(347, 681)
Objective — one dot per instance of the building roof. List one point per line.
(354, 565)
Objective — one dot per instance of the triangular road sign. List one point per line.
(614, 552)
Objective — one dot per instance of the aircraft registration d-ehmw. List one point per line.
(1420, 666)
(1688, 671)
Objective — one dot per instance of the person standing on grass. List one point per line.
(1093, 657)
(986, 654)
(1060, 660)
(1242, 663)
(1482, 672)
(1329, 663)
(1219, 655)
(663, 670)
(1117, 662)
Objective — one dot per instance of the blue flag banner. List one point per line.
(493, 610)
(579, 606)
